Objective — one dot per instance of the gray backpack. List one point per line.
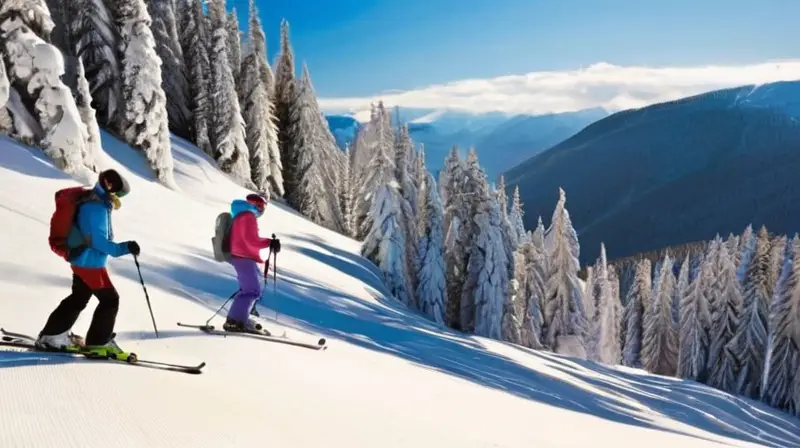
(221, 241)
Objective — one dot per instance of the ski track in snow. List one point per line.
(389, 378)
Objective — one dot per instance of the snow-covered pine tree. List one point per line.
(258, 44)
(750, 342)
(83, 100)
(659, 352)
(34, 69)
(605, 322)
(782, 357)
(781, 245)
(385, 243)
(533, 291)
(475, 190)
(6, 123)
(173, 69)
(695, 321)
(589, 293)
(193, 45)
(431, 272)
(486, 285)
(377, 138)
(285, 97)
(639, 297)
(515, 216)
(565, 322)
(451, 183)
(143, 121)
(234, 45)
(681, 288)
(747, 247)
(722, 365)
(502, 198)
(420, 175)
(95, 39)
(346, 195)
(255, 109)
(408, 191)
(227, 131)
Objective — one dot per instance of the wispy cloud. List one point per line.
(600, 85)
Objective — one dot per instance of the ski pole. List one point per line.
(146, 296)
(275, 281)
(253, 311)
(208, 322)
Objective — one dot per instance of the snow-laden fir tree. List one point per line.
(475, 190)
(747, 247)
(94, 38)
(515, 216)
(258, 44)
(420, 175)
(451, 182)
(639, 297)
(486, 285)
(681, 288)
(385, 243)
(722, 364)
(695, 321)
(6, 123)
(659, 352)
(227, 132)
(346, 195)
(408, 191)
(750, 342)
(195, 51)
(533, 291)
(606, 320)
(173, 69)
(143, 122)
(375, 139)
(285, 96)
(781, 365)
(431, 273)
(315, 194)
(781, 245)
(589, 293)
(83, 100)
(234, 45)
(34, 68)
(565, 321)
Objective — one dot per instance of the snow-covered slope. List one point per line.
(388, 379)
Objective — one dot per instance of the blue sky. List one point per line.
(359, 48)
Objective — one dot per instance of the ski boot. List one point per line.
(251, 326)
(64, 342)
(109, 350)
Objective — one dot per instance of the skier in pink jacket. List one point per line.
(245, 246)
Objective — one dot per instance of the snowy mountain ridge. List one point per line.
(378, 349)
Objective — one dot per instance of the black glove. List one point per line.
(275, 245)
(133, 248)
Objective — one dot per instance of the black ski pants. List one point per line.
(68, 311)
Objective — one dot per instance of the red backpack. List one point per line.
(68, 200)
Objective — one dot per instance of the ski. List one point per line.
(27, 343)
(210, 329)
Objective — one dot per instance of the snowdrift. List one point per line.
(389, 378)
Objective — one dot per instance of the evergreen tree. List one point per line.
(475, 191)
(408, 192)
(193, 44)
(346, 195)
(451, 182)
(420, 174)
(782, 357)
(695, 320)
(750, 342)
(637, 302)
(83, 100)
(681, 289)
(515, 217)
(747, 246)
(285, 97)
(431, 273)
(722, 365)
(258, 45)
(143, 122)
(534, 288)
(94, 38)
(34, 69)
(227, 131)
(173, 69)
(659, 352)
(234, 45)
(385, 243)
(606, 320)
(259, 135)
(564, 315)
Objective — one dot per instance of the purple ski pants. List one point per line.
(249, 277)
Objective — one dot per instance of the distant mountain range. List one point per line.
(502, 141)
(674, 172)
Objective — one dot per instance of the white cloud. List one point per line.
(599, 85)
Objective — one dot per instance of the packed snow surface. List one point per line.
(388, 379)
